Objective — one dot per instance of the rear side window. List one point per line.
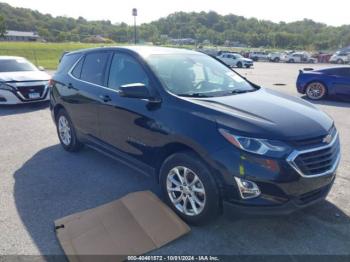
(94, 67)
(67, 62)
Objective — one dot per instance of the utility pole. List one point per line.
(134, 14)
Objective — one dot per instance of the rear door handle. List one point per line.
(105, 98)
(70, 86)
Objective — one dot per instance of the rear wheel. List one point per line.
(276, 60)
(66, 132)
(316, 91)
(291, 61)
(189, 189)
(340, 61)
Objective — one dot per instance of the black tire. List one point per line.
(291, 61)
(340, 61)
(247, 66)
(74, 145)
(211, 208)
(239, 65)
(276, 60)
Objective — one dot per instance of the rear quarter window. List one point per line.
(67, 62)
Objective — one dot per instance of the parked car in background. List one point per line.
(211, 139)
(318, 84)
(340, 57)
(21, 81)
(259, 56)
(235, 60)
(299, 57)
(274, 57)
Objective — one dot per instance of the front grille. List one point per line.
(26, 90)
(317, 161)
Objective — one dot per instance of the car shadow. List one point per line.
(6, 110)
(329, 102)
(54, 183)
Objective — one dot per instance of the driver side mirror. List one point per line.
(135, 90)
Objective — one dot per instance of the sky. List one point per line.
(336, 12)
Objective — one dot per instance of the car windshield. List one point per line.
(197, 75)
(16, 65)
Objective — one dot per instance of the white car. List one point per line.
(275, 57)
(340, 58)
(235, 60)
(299, 57)
(21, 81)
(259, 56)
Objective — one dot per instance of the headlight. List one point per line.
(258, 146)
(6, 87)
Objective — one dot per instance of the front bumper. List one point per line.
(284, 208)
(14, 97)
(283, 186)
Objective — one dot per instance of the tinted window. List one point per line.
(16, 65)
(126, 70)
(94, 67)
(67, 61)
(77, 69)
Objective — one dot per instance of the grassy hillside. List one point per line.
(43, 54)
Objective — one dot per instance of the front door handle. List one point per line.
(105, 98)
(70, 86)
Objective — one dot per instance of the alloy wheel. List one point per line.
(316, 91)
(186, 191)
(64, 130)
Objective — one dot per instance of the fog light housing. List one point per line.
(247, 189)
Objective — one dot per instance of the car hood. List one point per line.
(268, 114)
(24, 76)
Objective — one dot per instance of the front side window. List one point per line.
(196, 75)
(94, 67)
(126, 70)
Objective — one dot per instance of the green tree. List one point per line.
(2, 26)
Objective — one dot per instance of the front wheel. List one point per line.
(239, 65)
(316, 91)
(189, 188)
(66, 132)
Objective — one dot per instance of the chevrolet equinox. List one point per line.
(212, 139)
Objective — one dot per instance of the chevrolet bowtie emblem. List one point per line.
(327, 139)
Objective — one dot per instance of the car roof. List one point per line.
(143, 51)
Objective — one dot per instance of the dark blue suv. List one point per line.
(211, 138)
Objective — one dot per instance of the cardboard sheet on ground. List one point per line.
(133, 225)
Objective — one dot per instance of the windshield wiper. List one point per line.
(239, 91)
(195, 95)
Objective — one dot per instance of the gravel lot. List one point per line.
(40, 182)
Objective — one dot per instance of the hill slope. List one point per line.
(201, 26)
